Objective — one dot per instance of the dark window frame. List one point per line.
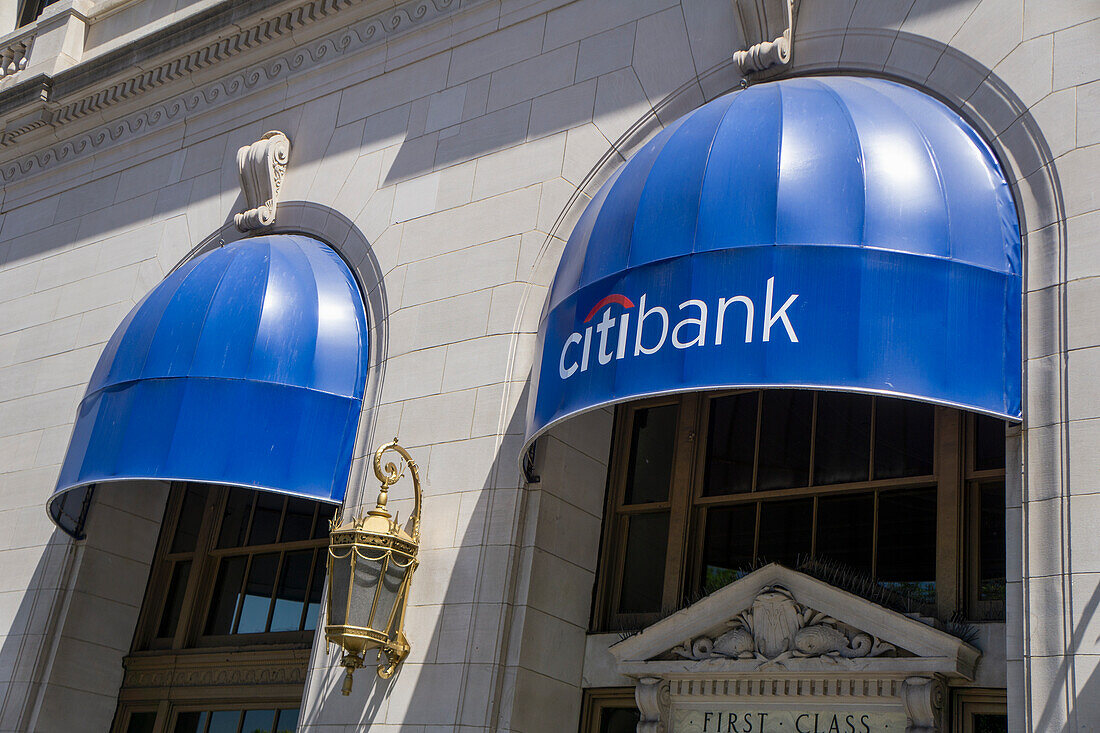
(952, 478)
(597, 700)
(188, 644)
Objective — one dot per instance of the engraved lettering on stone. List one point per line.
(776, 627)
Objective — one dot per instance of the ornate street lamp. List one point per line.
(370, 566)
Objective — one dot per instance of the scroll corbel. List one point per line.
(923, 697)
(654, 702)
(262, 166)
(769, 26)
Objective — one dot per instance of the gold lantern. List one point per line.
(371, 561)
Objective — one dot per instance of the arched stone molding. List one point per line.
(995, 98)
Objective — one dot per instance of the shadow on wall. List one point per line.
(26, 651)
(76, 621)
(1085, 699)
(462, 593)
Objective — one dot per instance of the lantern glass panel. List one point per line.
(338, 588)
(367, 571)
(388, 596)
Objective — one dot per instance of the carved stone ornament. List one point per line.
(923, 698)
(653, 699)
(782, 645)
(768, 27)
(262, 166)
(776, 627)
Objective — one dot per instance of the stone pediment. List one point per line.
(790, 652)
(779, 619)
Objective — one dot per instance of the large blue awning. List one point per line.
(245, 366)
(827, 232)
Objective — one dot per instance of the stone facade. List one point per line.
(445, 148)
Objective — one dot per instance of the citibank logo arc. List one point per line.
(609, 338)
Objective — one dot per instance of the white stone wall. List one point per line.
(447, 162)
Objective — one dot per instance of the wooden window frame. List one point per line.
(952, 475)
(969, 701)
(264, 669)
(974, 479)
(168, 711)
(598, 699)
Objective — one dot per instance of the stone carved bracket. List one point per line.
(654, 701)
(923, 697)
(768, 26)
(777, 628)
(262, 167)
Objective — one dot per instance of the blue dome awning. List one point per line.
(822, 232)
(246, 366)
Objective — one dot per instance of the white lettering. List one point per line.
(624, 320)
(574, 338)
(723, 303)
(781, 314)
(644, 314)
(586, 349)
(602, 328)
(700, 323)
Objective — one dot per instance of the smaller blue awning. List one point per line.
(825, 232)
(246, 366)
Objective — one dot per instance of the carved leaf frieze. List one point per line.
(355, 36)
(777, 628)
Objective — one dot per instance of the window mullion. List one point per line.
(949, 506)
(680, 493)
(161, 576)
(199, 581)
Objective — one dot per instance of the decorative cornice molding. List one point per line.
(262, 166)
(354, 37)
(217, 670)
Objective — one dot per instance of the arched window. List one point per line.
(229, 613)
(903, 497)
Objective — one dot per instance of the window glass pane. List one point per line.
(173, 603)
(907, 542)
(989, 443)
(265, 518)
(288, 721)
(298, 523)
(258, 721)
(728, 541)
(990, 723)
(785, 424)
(313, 607)
(652, 443)
(187, 529)
(257, 594)
(992, 538)
(904, 434)
(227, 590)
(224, 721)
(842, 442)
(619, 720)
(235, 520)
(731, 444)
(141, 722)
(191, 722)
(785, 530)
(644, 569)
(291, 593)
(846, 530)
